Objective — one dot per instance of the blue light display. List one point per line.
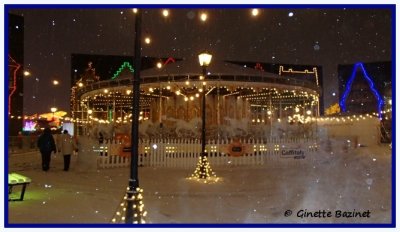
(349, 83)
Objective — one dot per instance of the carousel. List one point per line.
(241, 102)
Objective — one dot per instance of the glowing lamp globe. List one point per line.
(205, 59)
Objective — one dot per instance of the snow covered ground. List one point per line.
(354, 180)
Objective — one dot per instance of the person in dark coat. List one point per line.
(46, 145)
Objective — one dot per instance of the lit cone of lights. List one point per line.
(139, 214)
(203, 170)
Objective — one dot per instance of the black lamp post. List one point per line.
(131, 210)
(203, 169)
(134, 206)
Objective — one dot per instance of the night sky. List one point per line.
(325, 37)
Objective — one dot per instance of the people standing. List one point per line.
(46, 145)
(67, 146)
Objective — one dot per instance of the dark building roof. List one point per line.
(107, 65)
(192, 68)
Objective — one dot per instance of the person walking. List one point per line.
(67, 146)
(46, 145)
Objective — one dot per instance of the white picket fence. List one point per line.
(184, 153)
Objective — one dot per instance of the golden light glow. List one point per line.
(106, 91)
(128, 92)
(53, 109)
(138, 212)
(203, 172)
(159, 65)
(55, 82)
(177, 92)
(205, 59)
(254, 12)
(165, 13)
(203, 17)
(135, 10)
(27, 73)
(147, 40)
(80, 84)
(186, 99)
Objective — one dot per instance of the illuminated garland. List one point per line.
(14, 86)
(123, 66)
(139, 213)
(259, 67)
(169, 60)
(315, 72)
(203, 172)
(342, 102)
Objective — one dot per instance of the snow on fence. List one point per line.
(184, 153)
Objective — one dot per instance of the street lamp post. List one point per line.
(134, 205)
(203, 169)
(204, 59)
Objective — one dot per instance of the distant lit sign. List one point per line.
(29, 126)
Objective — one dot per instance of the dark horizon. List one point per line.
(325, 37)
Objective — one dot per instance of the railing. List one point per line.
(18, 144)
(183, 153)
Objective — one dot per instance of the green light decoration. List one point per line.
(139, 214)
(123, 66)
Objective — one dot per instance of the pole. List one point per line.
(272, 112)
(134, 180)
(203, 123)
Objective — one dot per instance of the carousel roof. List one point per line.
(191, 68)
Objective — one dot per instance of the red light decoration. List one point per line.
(259, 67)
(169, 60)
(16, 66)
